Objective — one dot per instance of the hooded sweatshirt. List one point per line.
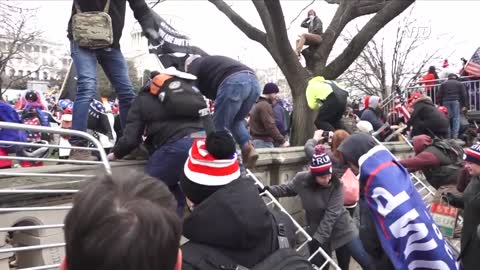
(371, 114)
(356, 146)
(422, 159)
(235, 221)
(437, 166)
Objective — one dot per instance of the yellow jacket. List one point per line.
(318, 90)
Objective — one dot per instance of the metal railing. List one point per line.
(430, 88)
(10, 206)
(272, 201)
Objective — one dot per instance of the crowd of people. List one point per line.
(194, 157)
(358, 198)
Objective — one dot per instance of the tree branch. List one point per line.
(300, 13)
(342, 16)
(369, 8)
(249, 30)
(279, 33)
(355, 47)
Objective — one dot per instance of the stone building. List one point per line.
(41, 60)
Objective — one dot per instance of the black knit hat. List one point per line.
(31, 96)
(270, 88)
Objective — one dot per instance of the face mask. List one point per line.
(311, 17)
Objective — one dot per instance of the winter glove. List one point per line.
(261, 190)
(452, 199)
(152, 36)
(150, 29)
(316, 244)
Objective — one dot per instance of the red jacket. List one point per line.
(429, 81)
(422, 159)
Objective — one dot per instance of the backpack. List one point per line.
(182, 99)
(452, 151)
(203, 257)
(451, 162)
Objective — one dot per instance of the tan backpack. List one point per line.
(93, 29)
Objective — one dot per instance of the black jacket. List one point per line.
(452, 90)
(141, 11)
(470, 202)
(426, 119)
(332, 110)
(235, 221)
(211, 71)
(147, 115)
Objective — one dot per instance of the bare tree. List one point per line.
(16, 35)
(154, 3)
(368, 74)
(378, 72)
(275, 40)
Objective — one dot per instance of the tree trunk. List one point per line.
(297, 78)
(303, 117)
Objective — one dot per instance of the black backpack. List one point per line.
(182, 99)
(203, 257)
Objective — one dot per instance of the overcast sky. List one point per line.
(213, 32)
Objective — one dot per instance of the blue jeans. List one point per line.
(262, 144)
(235, 97)
(354, 249)
(116, 69)
(166, 164)
(454, 116)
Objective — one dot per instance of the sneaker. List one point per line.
(79, 154)
(249, 156)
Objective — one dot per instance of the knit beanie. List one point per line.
(321, 163)
(366, 101)
(374, 101)
(472, 154)
(270, 88)
(211, 165)
(364, 126)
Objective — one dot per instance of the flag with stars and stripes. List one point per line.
(473, 66)
(400, 106)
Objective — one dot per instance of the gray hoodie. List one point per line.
(356, 146)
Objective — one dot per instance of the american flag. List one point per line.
(473, 66)
(400, 107)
